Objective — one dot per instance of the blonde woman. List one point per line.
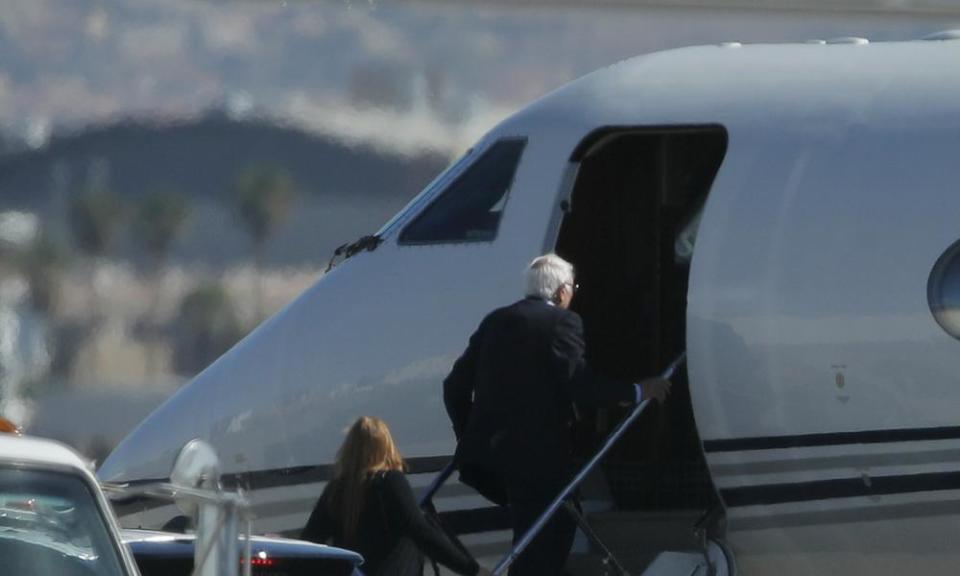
(369, 507)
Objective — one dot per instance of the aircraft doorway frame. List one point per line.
(627, 221)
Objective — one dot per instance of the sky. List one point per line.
(404, 76)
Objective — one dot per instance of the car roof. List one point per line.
(31, 450)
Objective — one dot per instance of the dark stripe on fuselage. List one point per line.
(463, 522)
(806, 465)
(276, 478)
(832, 439)
(768, 494)
(488, 519)
(870, 513)
(262, 479)
(470, 521)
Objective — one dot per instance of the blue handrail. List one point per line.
(426, 499)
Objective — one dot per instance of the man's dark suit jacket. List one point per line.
(510, 395)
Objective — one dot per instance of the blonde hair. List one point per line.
(367, 449)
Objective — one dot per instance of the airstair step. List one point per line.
(632, 533)
(593, 565)
(649, 543)
(662, 564)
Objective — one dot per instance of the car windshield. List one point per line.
(50, 524)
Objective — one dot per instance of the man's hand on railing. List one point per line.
(656, 388)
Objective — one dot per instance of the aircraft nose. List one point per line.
(148, 453)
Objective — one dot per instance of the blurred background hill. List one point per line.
(348, 189)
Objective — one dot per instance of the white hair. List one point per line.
(546, 274)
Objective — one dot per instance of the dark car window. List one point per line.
(469, 210)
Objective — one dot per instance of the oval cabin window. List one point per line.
(943, 290)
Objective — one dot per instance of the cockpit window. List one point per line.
(469, 210)
(943, 291)
(50, 524)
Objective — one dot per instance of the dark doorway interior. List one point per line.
(629, 230)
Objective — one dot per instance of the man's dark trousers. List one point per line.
(526, 496)
(547, 553)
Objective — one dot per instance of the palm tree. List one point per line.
(206, 327)
(94, 217)
(264, 195)
(160, 219)
(42, 263)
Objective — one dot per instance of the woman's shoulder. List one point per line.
(391, 476)
(392, 480)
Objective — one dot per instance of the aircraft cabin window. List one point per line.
(943, 290)
(469, 209)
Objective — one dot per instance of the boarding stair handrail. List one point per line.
(426, 504)
(426, 501)
(561, 498)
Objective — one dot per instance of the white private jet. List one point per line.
(787, 214)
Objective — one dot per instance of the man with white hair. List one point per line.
(511, 399)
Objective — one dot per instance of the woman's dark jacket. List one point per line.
(390, 512)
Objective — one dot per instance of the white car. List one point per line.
(54, 518)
